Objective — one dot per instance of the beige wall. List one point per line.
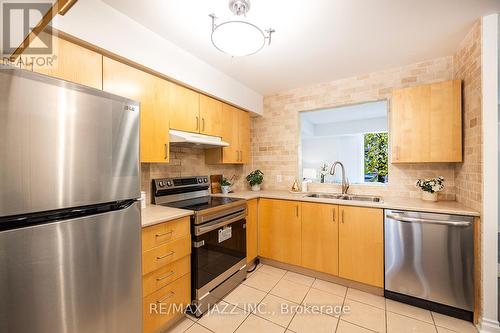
(467, 66)
(275, 135)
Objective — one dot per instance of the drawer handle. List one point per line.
(165, 233)
(170, 294)
(165, 276)
(165, 255)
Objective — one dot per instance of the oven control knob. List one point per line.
(205, 180)
(200, 180)
(161, 183)
(169, 183)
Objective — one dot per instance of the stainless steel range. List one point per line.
(218, 228)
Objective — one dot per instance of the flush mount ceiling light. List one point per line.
(239, 38)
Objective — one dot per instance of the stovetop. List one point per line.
(201, 203)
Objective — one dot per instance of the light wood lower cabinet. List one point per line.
(166, 280)
(345, 241)
(166, 304)
(280, 230)
(165, 275)
(164, 232)
(320, 237)
(251, 227)
(361, 245)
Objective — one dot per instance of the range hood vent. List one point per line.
(195, 140)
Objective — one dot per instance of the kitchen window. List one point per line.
(356, 135)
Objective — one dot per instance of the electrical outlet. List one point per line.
(279, 178)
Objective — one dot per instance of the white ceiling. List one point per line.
(316, 40)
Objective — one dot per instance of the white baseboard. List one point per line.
(489, 326)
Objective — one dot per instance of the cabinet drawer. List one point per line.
(164, 254)
(163, 276)
(166, 304)
(164, 232)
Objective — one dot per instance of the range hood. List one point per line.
(195, 140)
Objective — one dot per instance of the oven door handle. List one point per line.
(200, 230)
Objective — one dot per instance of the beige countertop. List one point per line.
(154, 214)
(445, 207)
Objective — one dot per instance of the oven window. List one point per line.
(214, 257)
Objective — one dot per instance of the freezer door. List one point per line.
(81, 275)
(64, 145)
(431, 257)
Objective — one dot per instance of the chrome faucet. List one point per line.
(345, 181)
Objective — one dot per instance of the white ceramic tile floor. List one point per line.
(256, 306)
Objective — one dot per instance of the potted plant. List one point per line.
(255, 178)
(225, 185)
(430, 188)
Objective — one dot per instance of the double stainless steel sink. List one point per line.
(350, 197)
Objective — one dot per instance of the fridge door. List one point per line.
(81, 275)
(430, 257)
(64, 145)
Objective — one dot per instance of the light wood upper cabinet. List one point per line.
(184, 109)
(426, 123)
(279, 230)
(235, 131)
(210, 116)
(73, 63)
(152, 93)
(244, 136)
(361, 245)
(320, 237)
(251, 227)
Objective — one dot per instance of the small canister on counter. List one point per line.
(143, 199)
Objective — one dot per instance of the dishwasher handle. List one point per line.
(408, 219)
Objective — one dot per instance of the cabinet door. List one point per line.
(252, 218)
(244, 137)
(426, 123)
(230, 134)
(361, 245)
(184, 109)
(210, 116)
(320, 237)
(280, 230)
(73, 63)
(152, 93)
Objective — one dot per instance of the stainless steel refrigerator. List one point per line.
(70, 257)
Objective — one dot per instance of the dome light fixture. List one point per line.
(239, 38)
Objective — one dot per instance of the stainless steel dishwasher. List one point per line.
(429, 261)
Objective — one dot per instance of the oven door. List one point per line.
(219, 251)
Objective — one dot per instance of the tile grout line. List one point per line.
(300, 304)
(385, 315)
(341, 310)
(269, 293)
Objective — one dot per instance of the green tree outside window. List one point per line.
(376, 157)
